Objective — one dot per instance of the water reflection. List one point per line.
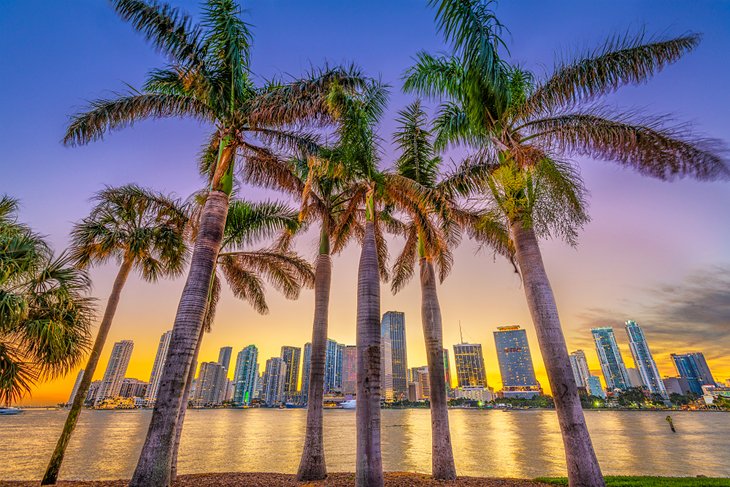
(486, 443)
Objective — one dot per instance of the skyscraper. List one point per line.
(159, 363)
(447, 370)
(245, 375)
(333, 367)
(609, 355)
(291, 356)
(306, 369)
(579, 364)
(469, 360)
(419, 376)
(644, 360)
(224, 357)
(115, 370)
(515, 362)
(594, 387)
(272, 391)
(211, 378)
(75, 389)
(349, 370)
(394, 362)
(132, 388)
(693, 367)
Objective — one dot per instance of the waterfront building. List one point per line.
(419, 376)
(447, 371)
(75, 389)
(211, 378)
(154, 383)
(349, 370)
(693, 367)
(115, 370)
(224, 357)
(394, 363)
(481, 394)
(306, 370)
(272, 388)
(677, 385)
(594, 387)
(609, 356)
(92, 393)
(245, 376)
(133, 388)
(469, 360)
(412, 391)
(579, 364)
(291, 357)
(515, 362)
(644, 360)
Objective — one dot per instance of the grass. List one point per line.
(650, 481)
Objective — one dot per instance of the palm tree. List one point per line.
(45, 315)
(142, 231)
(245, 270)
(522, 130)
(209, 79)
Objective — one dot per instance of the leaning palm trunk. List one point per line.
(312, 465)
(184, 408)
(583, 468)
(369, 468)
(54, 465)
(442, 456)
(155, 461)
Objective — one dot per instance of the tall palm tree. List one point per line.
(419, 163)
(208, 79)
(245, 270)
(45, 315)
(522, 130)
(372, 197)
(141, 230)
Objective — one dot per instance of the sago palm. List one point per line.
(141, 230)
(45, 314)
(208, 79)
(525, 129)
(246, 270)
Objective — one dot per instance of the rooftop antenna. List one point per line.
(461, 335)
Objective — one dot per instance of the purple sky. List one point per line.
(654, 252)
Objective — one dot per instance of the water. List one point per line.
(486, 443)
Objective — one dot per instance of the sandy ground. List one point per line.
(392, 479)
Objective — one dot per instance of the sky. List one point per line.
(657, 253)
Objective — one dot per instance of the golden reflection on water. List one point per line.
(486, 443)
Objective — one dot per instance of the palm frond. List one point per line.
(406, 262)
(244, 283)
(416, 159)
(250, 222)
(433, 76)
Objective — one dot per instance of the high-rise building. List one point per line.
(154, 384)
(306, 370)
(677, 385)
(291, 356)
(93, 392)
(644, 360)
(579, 364)
(333, 367)
(272, 391)
(115, 370)
(609, 355)
(349, 370)
(693, 367)
(469, 360)
(211, 378)
(447, 370)
(634, 377)
(594, 387)
(75, 389)
(224, 357)
(419, 376)
(394, 361)
(132, 388)
(515, 362)
(245, 375)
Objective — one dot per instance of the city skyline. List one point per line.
(590, 281)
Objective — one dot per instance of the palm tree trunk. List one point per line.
(583, 468)
(155, 461)
(184, 408)
(312, 465)
(369, 468)
(442, 456)
(54, 465)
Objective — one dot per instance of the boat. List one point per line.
(9, 411)
(349, 404)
